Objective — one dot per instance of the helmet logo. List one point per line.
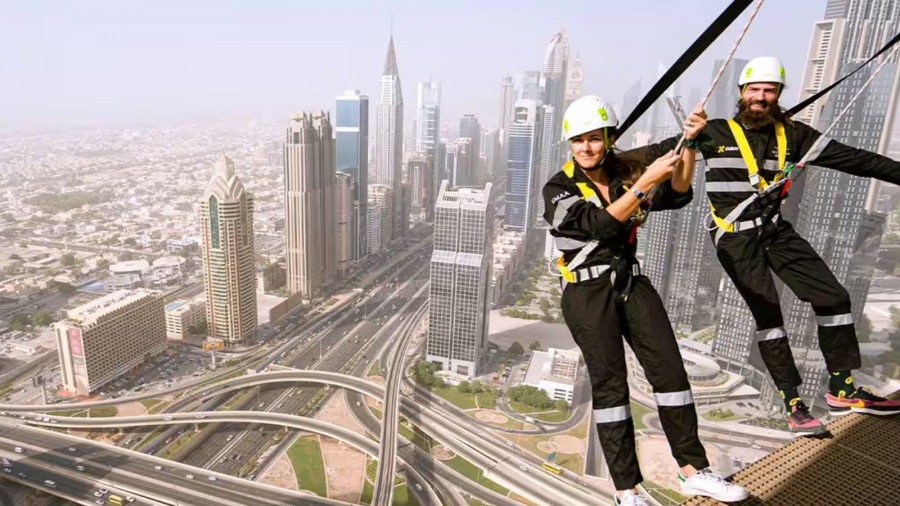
(748, 73)
(781, 72)
(566, 125)
(602, 112)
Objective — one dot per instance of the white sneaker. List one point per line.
(629, 498)
(707, 483)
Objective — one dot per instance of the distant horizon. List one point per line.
(99, 63)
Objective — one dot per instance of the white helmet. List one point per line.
(588, 113)
(762, 69)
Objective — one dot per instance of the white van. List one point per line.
(50, 483)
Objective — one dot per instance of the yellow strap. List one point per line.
(721, 223)
(750, 161)
(747, 154)
(782, 148)
(586, 193)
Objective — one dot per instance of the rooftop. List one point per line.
(857, 462)
(89, 313)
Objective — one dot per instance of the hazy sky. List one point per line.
(89, 62)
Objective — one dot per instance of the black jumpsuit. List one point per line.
(598, 324)
(750, 256)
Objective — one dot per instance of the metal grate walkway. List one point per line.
(857, 463)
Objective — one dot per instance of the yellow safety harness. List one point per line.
(569, 271)
(728, 223)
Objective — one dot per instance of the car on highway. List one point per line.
(72, 449)
(189, 476)
(7, 470)
(79, 467)
(19, 449)
(168, 418)
(418, 487)
(201, 416)
(524, 468)
(158, 467)
(212, 478)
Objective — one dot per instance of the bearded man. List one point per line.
(744, 156)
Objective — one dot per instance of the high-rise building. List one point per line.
(555, 70)
(524, 143)
(428, 115)
(309, 180)
(458, 161)
(226, 228)
(351, 143)
(527, 86)
(831, 221)
(507, 100)
(490, 151)
(419, 173)
(389, 140)
(107, 337)
(547, 161)
(471, 174)
(460, 279)
(574, 82)
(345, 188)
(382, 196)
(723, 101)
(374, 225)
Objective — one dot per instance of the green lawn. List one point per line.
(471, 471)
(637, 415)
(525, 409)
(486, 401)
(306, 457)
(553, 416)
(104, 411)
(716, 417)
(367, 491)
(461, 400)
(149, 403)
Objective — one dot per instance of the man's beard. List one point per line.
(759, 119)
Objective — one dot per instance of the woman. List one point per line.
(594, 205)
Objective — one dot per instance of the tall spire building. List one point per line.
(389, 140)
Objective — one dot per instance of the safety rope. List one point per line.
(722, 68)
(712, 32)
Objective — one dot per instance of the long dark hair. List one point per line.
(626, 167)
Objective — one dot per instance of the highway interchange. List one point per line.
(345, 341)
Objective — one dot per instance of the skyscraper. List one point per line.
(381, 196)
(352, 156)
(547, 162)
(310, 221)
(460, 279)
(419, 173)
(389, 140)
(471, 174)
(723, 101)
(345, 188)
(831, 220)
(524, 142)
(428, 115)
(226, 226)
(507, 100)
(555, 70)
(527, 86)
(574, 82)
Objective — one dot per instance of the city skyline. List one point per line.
(106, 85)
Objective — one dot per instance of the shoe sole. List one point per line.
(869, 411)
(818, 432)
(842, 412)
(689, 491)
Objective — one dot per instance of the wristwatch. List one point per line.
(638, 193)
